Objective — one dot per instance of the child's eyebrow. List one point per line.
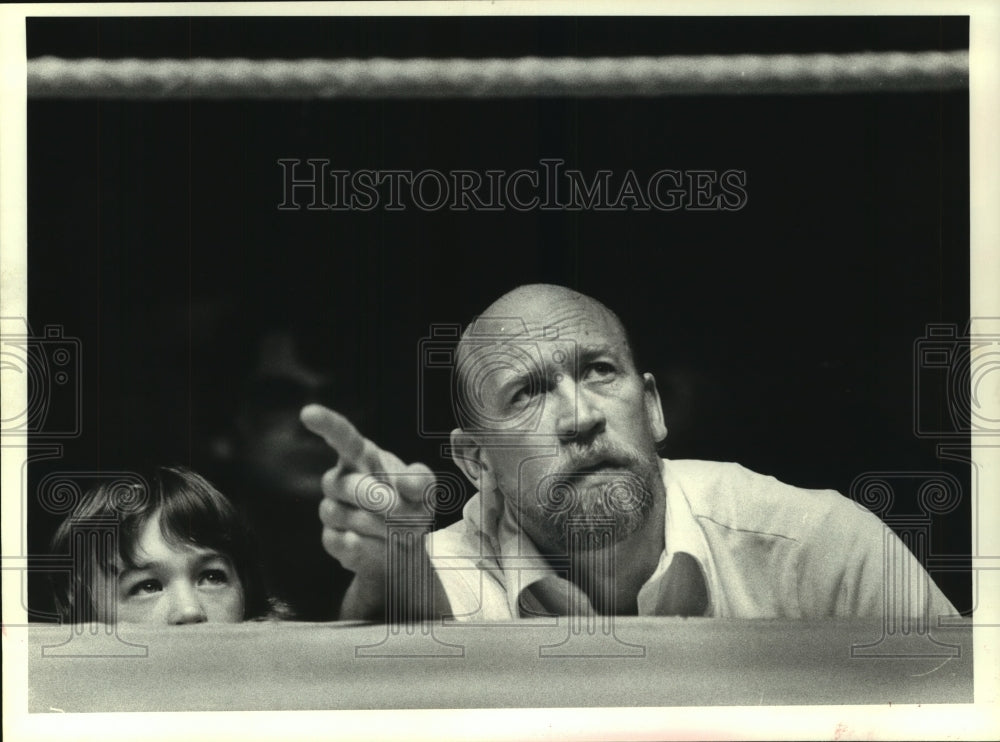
(210, 556)
(201, 558)
(126, 571)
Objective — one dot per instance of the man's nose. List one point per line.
(579, 413)
(185, 606)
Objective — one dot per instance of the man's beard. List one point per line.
(595, 498)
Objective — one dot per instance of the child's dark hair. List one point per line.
(191, 511)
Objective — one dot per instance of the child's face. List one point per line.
(177, 584)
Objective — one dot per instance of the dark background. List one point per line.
(782, 335)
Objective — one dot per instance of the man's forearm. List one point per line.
(363, 601)
(367, 598)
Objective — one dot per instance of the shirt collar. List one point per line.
(681, 530)
(682, 535)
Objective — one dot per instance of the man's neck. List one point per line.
(612, 577)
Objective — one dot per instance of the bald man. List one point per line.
(575, 511)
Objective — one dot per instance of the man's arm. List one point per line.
(369, 600)
(366, 494)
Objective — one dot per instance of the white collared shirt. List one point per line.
(763, 549)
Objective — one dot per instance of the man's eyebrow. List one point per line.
(516, 379)
(583, 353)
(598, 349)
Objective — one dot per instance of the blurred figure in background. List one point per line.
(272, 466)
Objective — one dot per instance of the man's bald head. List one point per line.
(537, 300)
(533, 308)
(538, 295)
(532, 313)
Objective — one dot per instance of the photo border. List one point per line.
(978, 720)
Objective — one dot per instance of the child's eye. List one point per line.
(146, 587)
(214, 577)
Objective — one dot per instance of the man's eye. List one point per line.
(214, 577)
(522, 396)
(146, 587)
(601, 370)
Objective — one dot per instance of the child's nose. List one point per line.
(186, 607)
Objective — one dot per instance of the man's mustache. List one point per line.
(576, 463)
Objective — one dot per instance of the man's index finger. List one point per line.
(338, 432)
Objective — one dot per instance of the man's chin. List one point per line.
(592, 533)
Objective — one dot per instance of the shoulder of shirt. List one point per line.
(733, 497)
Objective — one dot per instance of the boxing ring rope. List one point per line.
(166, 79)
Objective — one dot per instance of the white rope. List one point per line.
(53, 77)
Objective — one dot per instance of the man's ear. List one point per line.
(467, 455)
(654, 408)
